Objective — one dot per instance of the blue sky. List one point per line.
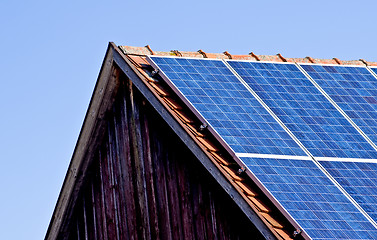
(51, 53)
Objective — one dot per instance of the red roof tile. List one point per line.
(368, 63)
(163, 53)
(251, 56)
(300, 60)
(136, 50)
(191, 54)
(214, 55)
(270, 58)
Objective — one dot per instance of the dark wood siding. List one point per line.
(145, 184)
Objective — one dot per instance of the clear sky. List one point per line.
(51, 53)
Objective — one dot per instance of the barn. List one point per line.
(196, 145)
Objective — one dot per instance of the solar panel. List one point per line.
(354, 89)
(319, 126)
(227, 105)
(374, 69)
(359, 179)
(311, 198)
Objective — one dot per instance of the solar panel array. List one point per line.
(274, 108)
(304, 110)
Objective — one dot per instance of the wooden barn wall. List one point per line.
(145, 184)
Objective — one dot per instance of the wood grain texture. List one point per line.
(144, 183)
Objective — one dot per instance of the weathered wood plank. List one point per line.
(112, 178)
(126, 162)
(173, 187)
(108, 196)
(80, 220)
(138, 158)
(94, 215)
(79, 230)
(212, 210)
(102, 194)
(150, 183)
(118, 163)
(198, 212)
(163, 205)
(185, 203)
(85, 222)
(98, 201)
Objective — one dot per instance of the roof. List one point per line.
(139, 63)
(324, 158)
(147, 50)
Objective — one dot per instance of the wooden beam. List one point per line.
(138, 156)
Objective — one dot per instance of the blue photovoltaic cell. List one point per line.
(354, 89)
(304, 110)
(311, 198)
(359, 179)
(228, 106)
(374, 70)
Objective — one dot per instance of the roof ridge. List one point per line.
(147, 50)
